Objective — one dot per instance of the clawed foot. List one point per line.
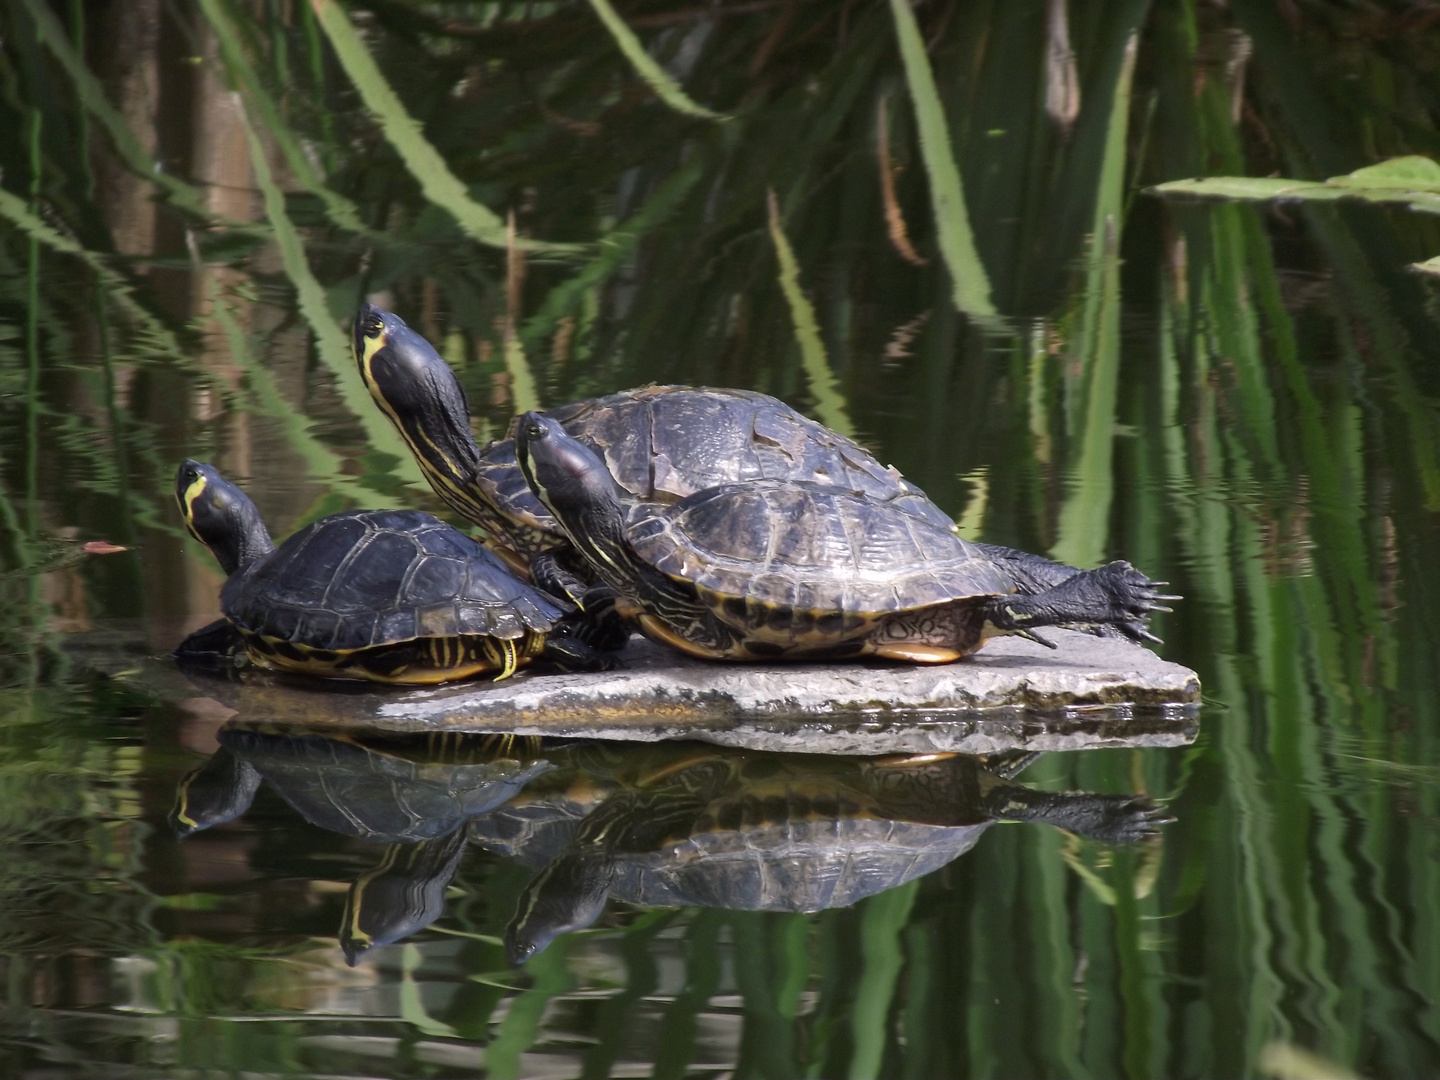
(1132, 597)
(1115, 819)
(547, 573)
(1115, 595)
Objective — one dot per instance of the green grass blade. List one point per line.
(412, 1008)
(330, 340)
(92, 96)
(656, 77)
(156, 334)
(321, 462)
(242, 76)
(1085, 517)
(520, 1028)
(881, 927)
(947, 196)
(829, 401)
(441, 186)
(522, 383)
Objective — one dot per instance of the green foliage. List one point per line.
(1242, 400)
(1411, 181)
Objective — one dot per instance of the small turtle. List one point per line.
(795, 832)
(661, 443)
(782, 569)
(414, 793)
(394, 596)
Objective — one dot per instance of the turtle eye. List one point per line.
(535, 430)
(374, 325)
(191, 475)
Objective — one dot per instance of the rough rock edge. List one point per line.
(1089, 692)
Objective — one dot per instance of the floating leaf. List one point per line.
(1412, 180)
(1429, 266)
(1247, 187)
(1412, 172)
(103, 547)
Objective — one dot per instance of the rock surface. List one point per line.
(1089, 692)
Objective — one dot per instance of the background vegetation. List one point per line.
(569, 200)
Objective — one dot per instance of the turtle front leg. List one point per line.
(1115, 594)
(547, 573)
(578, 644)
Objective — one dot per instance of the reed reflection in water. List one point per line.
(1239, 399)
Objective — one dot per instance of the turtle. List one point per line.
(795, 832)
(770, 569)
(661, 443)
(386, 788)
(413, 793)
(395, 596)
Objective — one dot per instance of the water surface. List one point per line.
(1240, 399)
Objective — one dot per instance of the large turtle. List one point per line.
(392, 596)
(783, 569)
(794, 832)
(661, 443)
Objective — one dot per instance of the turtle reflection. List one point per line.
(658, 825)
(414, 793)
(793, 832)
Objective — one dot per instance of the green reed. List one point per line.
(1157, 387)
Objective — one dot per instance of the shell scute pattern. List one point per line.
(369, 578)
(318, 625)
(813, 549)
(313, 554)
(401, 624)
(438, 575)
(664, 443)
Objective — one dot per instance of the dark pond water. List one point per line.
(1241, 399)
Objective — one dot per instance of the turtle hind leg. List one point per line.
(1111, 819)
(1031, 573)
(1115, 594)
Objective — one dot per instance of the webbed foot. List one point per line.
(1115, 594)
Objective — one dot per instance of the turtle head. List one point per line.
(573, 482)
(401, 896)
(218, 791)
(418, 391)
(220, 516)
(567, 895)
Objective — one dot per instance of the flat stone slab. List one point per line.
(1089, 692)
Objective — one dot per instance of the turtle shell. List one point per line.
(808, 547)
(412, 788)
(368, 578)
(801, 851)
(663, 443)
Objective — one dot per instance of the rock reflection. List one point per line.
(655, 825)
